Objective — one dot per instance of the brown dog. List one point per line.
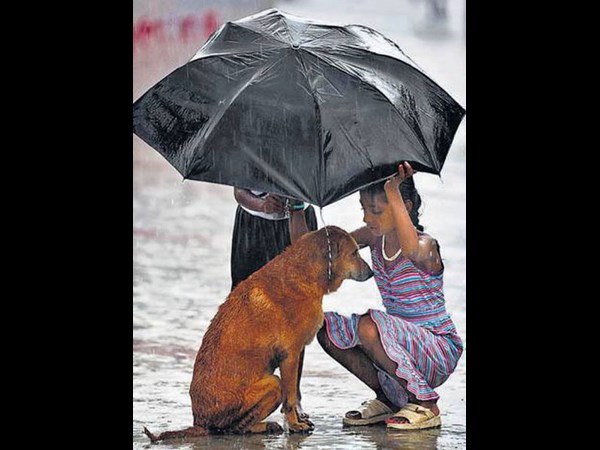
(265, 323)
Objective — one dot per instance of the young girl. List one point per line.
(406, 351)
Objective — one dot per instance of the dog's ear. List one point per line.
(335, 249)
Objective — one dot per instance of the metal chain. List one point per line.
(329, 258)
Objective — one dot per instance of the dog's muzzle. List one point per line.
(364, 274)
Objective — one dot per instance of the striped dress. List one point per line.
(416, 331)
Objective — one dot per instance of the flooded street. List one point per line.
(181, 254)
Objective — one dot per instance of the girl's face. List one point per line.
(377, 214)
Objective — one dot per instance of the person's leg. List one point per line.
(255, 242)
(370, 342)
(236, 250)
(357, 363)
(247, 246)
(311, 218)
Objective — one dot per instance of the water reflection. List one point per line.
(373, 437)
(382, 438)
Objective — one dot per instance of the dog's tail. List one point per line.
(188, 432)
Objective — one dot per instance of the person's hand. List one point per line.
(273, 204)
(293, 203)
(404, 171)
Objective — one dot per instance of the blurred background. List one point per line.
(182, 231)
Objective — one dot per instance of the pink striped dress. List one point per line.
(415, 329)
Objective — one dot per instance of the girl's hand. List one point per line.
(404, 171)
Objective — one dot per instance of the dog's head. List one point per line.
(339, 251)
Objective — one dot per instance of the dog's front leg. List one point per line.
(289, 386)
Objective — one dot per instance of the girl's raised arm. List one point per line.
(363, 237)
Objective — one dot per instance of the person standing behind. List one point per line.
(264, 227)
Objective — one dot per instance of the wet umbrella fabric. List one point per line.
(312, 111)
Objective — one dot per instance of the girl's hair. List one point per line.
(408, 190)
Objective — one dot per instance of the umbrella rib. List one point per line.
(362, 153)
(389, 41)
(286, 44)
(287, 27)
(223, 54)
(414, 67)
(320, 127)
(333, 30)
(419, 138)
(216, 119)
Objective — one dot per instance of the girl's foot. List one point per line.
(370, 412)
(416, 417)
(431, 406)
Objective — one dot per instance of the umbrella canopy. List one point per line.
(312, 111)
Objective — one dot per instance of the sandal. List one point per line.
(371, 411)
(419, 418)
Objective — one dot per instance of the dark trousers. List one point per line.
(256, 241)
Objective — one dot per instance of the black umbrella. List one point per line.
(311, 111)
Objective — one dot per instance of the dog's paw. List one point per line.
(300, 427)
(305, 420)
(274, 428)
(301, 414)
